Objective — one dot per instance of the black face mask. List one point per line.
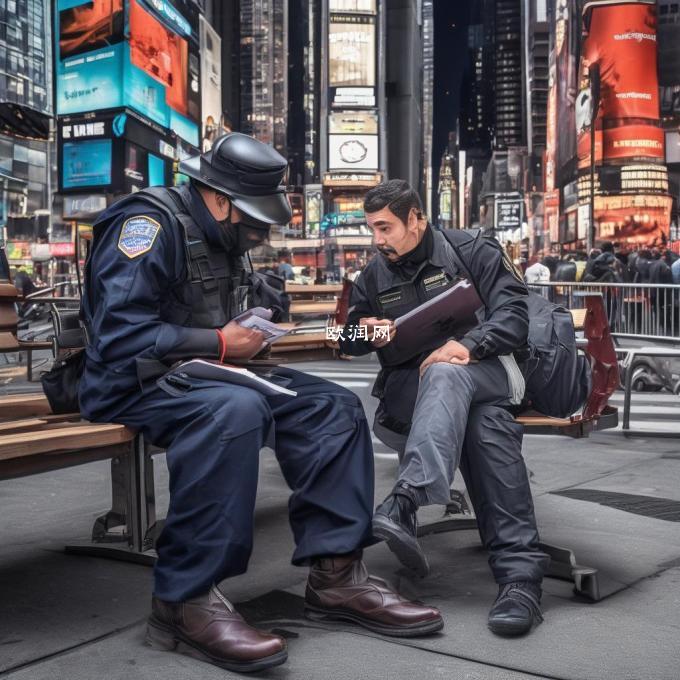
(240, 237)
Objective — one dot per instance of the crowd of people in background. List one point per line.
(608, 264)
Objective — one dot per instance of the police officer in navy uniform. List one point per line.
(450, 404)
(163, 280)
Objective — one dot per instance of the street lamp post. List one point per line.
(594, 73)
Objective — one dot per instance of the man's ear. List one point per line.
(413, 220)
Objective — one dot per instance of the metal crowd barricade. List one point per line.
(644, 309)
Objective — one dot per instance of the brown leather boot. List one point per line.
(340, 588)
(209, 628)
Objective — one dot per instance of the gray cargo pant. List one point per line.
(459, 420)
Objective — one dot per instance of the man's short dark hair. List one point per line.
(397, 195)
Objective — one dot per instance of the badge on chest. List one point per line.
(435, 281)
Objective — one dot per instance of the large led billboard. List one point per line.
(620, 39)
(368, 6)
(565, 76)
(137, 53)
(86, 163)
(89, 55)
(351, 51)
(162, 67)
(211, 84)
(112, 152)
(635, 220)
(353, 151)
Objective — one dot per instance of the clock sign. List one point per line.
(353, 151)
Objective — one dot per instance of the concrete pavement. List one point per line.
(77, 617)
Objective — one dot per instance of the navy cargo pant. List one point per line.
(461, 419)
(213, 432)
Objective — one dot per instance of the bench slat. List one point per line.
(71, 437)
(312, 307)
(24, 405)
(21, 425)
(538, 421)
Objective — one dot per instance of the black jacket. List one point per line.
(505, 325)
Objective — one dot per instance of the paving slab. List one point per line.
(314, 654)
(77, 617)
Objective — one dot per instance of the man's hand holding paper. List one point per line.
(380, 331)
(241, 343)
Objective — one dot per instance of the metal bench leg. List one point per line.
(458, 517)
(628, 388)
(563, 566)
(123, 532)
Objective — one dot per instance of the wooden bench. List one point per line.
(598, 345)
(312, 343)
(313, 300)
(9, 321)
(33, 440)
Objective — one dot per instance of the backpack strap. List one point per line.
(450, 236)
(169, 200)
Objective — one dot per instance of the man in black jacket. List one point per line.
(454, 397)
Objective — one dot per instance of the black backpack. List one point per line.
(557, 376)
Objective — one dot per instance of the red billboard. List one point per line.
(161, 53)
(621, 40)
(638, 220)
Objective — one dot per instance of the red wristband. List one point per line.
(222, 344)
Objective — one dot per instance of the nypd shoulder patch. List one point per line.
(137, 235)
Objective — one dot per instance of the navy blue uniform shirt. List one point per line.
(137, 257)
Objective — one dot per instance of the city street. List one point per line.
(498, 181)
(83, 618)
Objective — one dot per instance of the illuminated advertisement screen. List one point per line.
(353, 151)
(367, 6)
(634, 220)
(162, 68)
(89, 55)
(621, 40)
(353, 122)
(567, 37)
(211, 84)
(86, 163)
(551, 128)
(156, 171)
(150, 64)
(351, 51)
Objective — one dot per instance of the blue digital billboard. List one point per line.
(136, 53)
(156, 171)
(89, 55)
(86, 163)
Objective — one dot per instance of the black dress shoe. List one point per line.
(516, 609)
(395, 522)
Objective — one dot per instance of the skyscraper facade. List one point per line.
(264, 71)
(25, 111)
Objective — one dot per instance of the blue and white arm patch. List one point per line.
(137, 235)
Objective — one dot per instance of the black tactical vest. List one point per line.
(215, 290)
(397, 383)
(392, 297)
